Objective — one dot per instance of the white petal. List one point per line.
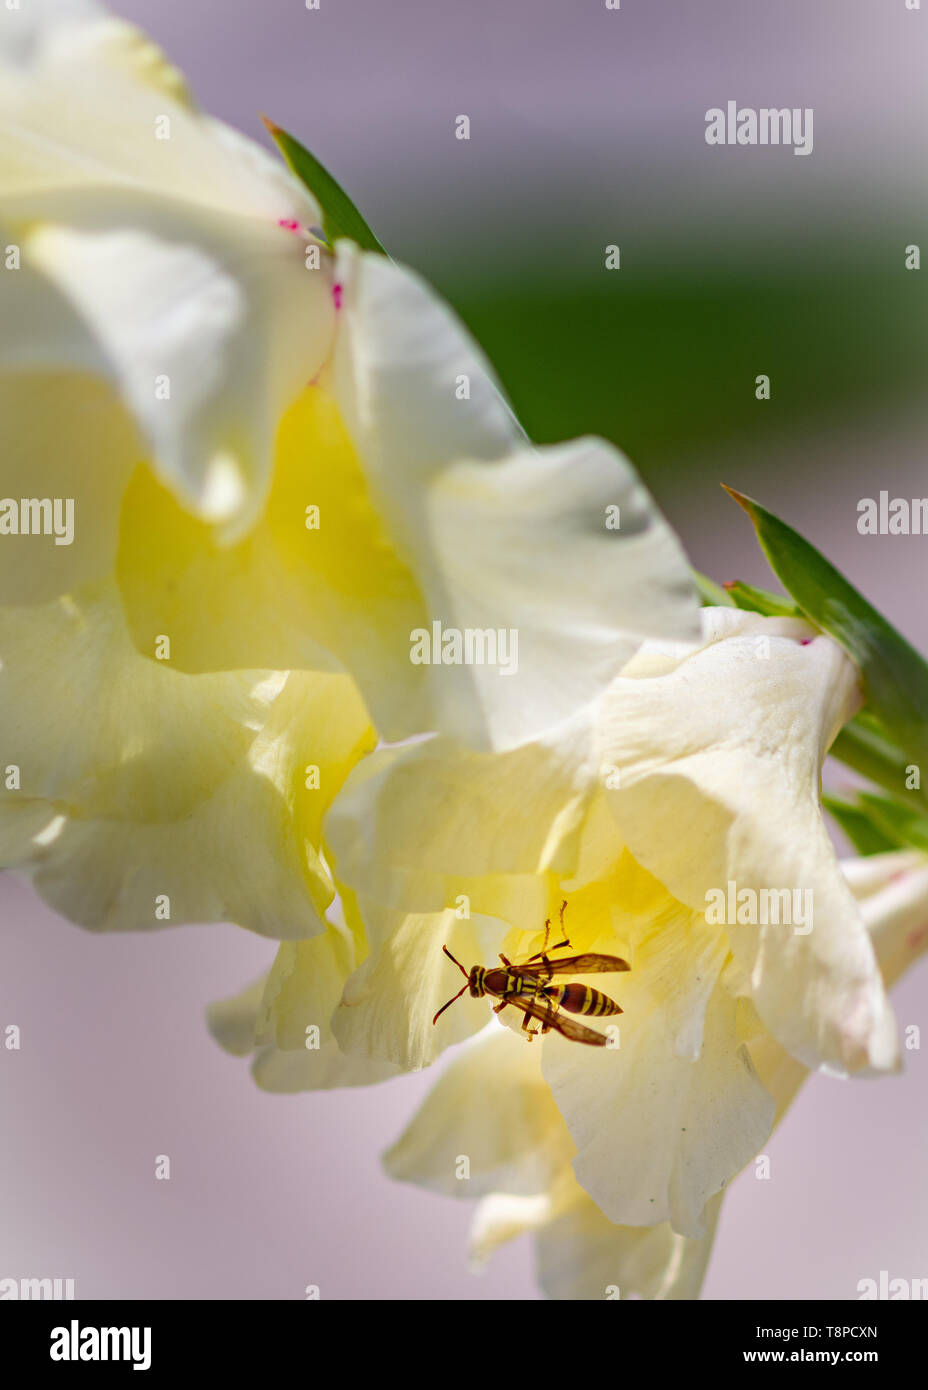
(418, 826)
(231, 331)
(500, 1218)
(284, 1020)
(581, 1255)
(169, 250)
(159, 779)
(492, 1108)
(69, 448)
(233, 1021)
(892, 890)
(504, 537)
(39, 22)
(719, 763)
(658, 1131)
(389, 1003)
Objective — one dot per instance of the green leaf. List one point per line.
(866, 837)
(899, 822)
(893, 674)
(744, 596)
(863, 745)
(761, 601)
(712, 594)
(340, 217)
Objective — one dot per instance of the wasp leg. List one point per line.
(540, 954)
(547, 964)
(498, 1008)
(526, 1026)
(565, 942)
(542, 994)
(546, 1026)
(505, 960)
(543, 954)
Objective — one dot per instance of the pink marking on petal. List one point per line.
(337, 296)
(805, 641)
(290, 223)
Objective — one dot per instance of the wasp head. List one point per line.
(475, 982)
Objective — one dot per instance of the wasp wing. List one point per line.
(552, 1018)
(590, 964)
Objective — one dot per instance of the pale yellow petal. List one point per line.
(233, 1022)
(169, 798)
(315, 584)
(582, 1255)
(561, 549)
(180, 248)
(389, 1002)
(671, 1110)
(69, 450)
(892, 890)
(283, 1019)
(419, 826)
(717, 766)
(488, 1125)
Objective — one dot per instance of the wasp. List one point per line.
(527, 986)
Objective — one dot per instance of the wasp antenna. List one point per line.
(457, 963)
(449, 1003)
(563, 910)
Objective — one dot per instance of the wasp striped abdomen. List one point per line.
(581, 999)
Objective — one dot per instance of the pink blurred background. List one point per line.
(269, 1194)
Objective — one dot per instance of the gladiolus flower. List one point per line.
(291, 455)
(704, 773)
(493, 1105)
(280, 461)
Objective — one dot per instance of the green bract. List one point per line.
(340, 217)
(894, 676)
